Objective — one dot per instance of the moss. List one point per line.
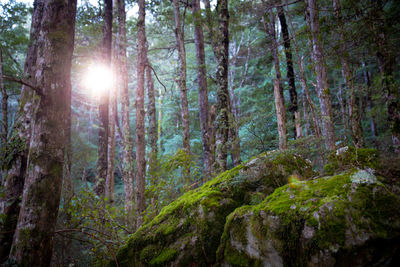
(166, 255)
(351, 158)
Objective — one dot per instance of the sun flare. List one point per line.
(98, 80)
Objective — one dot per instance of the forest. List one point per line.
(200, 133)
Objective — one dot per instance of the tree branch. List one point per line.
(17, 80)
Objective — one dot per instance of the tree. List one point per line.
(323, 90)
(53, 34)
(290, 73)
(104, 102)
(202, 88)
(127, 159)
(140, 114)
(180, 45)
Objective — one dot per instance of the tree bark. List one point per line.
(328, 130)
(202, 87)
(4, 104)
(14, 182)
(104, 103)
(127, 158)
(33, 239)
(140, 114)
(152, 134)
(293, 108)
(354, 110)
(278, 88)
(180, 45)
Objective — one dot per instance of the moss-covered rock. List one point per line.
(188, 231)
(270, 211)
(349, 219)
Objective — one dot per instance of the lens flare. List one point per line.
(98, 80)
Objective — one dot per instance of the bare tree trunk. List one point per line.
(152, 135)
(354, 111)
(104, 104)
(140, 114)
(33, 239)
(278, 89)
(180, 45)
(127, 158)
(14, 182)
(370, 104)
(321, 77)
(4, 104)
(293, 108)
(202, 83)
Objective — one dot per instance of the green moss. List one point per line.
(165, 256)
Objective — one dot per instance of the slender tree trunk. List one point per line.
(127, 158)
(4, 104)
(140, 114)
(104, 104)
(321, 77)
(293, 108)
(152, 135)
(14, 181)
(370, 103)
(202, 83)
(278, 89)
(354, 111)
(160, 116)
(180, 45)
(33, 239)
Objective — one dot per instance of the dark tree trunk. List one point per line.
(33, 239)
(127, 158)
(104, 103)
(140, 114)
(180, 45)
(202, 84)
(4, 104)
(14, 181)
(328, 130)
(278, 88)
(293, 108)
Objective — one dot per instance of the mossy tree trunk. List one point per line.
(140, 114)
(102, 158)
(180, 45)
(20, 138)
(323, 90)
(202, 87)
(54, 42)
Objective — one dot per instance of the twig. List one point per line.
(165, 88)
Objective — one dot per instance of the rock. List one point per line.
(251, 216)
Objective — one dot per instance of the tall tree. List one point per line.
(293, 108)
(140, 114)
(104, 102)
(328, 130)
(180, 45)
(122, 77)
(54, 41)
(20, 137)
(4, 103)
(278, 88)
(202, 87)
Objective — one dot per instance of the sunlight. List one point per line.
(98, 80)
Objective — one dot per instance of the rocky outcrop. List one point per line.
(272, 211)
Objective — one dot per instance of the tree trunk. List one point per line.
(321, 77)
(33, 239)
(202, 83)
(127, 158)
(278, 89)
(14, 182)
(370, 103)
(180, 45)
(293, 108)
(140, 114)
(4, 104)
(354, 111)
(152, 134)
(104, 104)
